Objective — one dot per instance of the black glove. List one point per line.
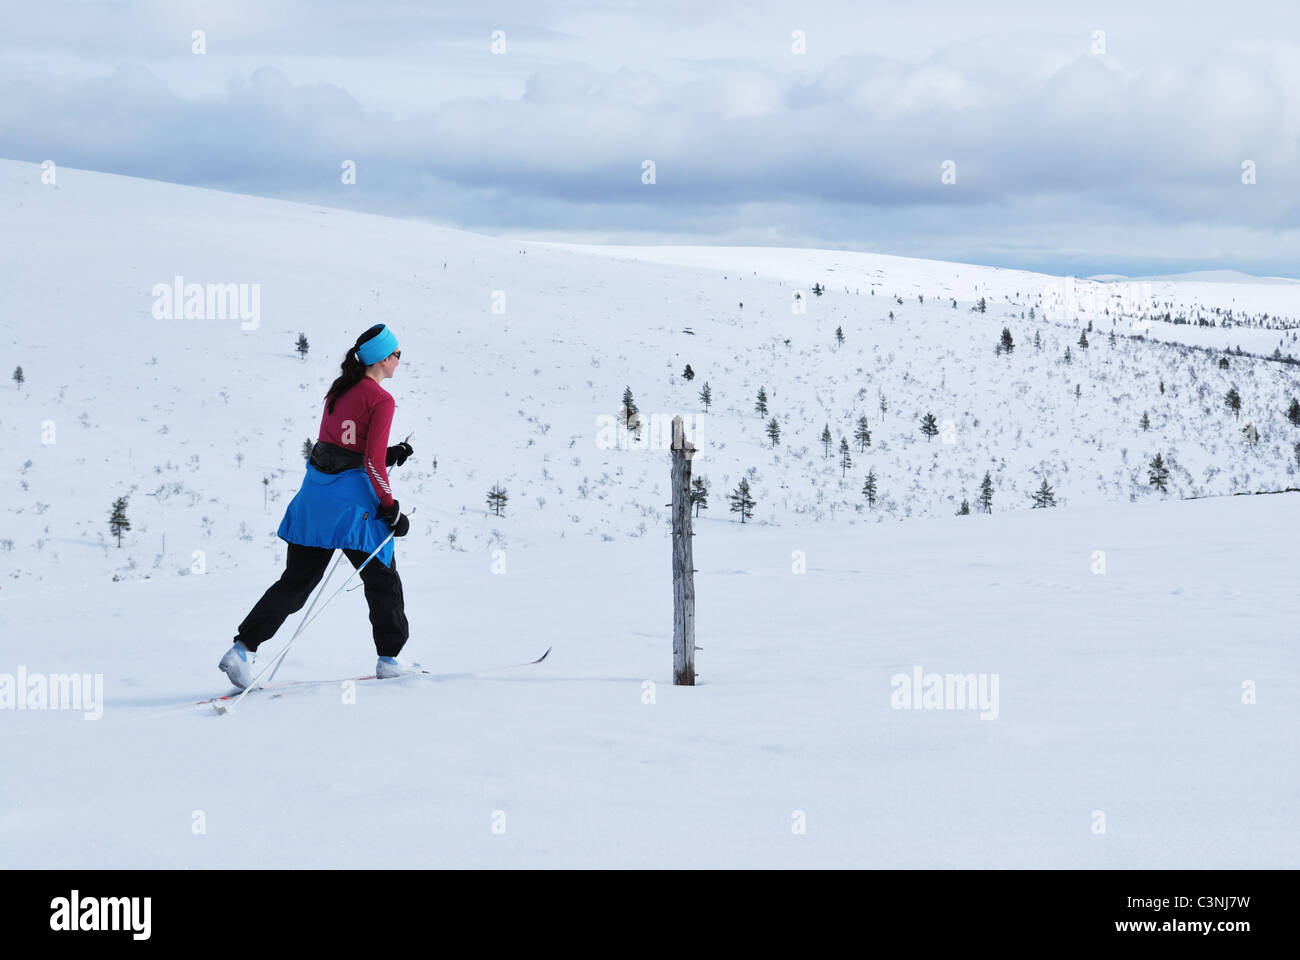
(397, 454)
(395, 519)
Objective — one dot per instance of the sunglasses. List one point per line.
(397, 354)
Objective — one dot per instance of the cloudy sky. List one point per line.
(1104, 138)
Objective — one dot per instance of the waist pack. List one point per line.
(329, 458)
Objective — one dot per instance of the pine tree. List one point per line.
(1078, 392)
(980, 305)
(699, 494)
(1145, 422)
(1233, 400)
(301, 346)
(1083, 339)
(826, 440)
(1293, 412)
(628, 411)
(306, 449)
(929, 427)
(117, 521)
(869, 488)
(741, 502)
(985, 499)
(964, 509)
(760, 406)
(1067, 358)
(1112, 338)
(706, 395)
(846, 461)
(496, 499)
(1159, 474)
(18, 377)
(1038, 341)
(862, 434)
(774, 431)
(882, 406)
(688, 373)
(818, 289)
(839, 336)
(1007, 343)
(1043, 496)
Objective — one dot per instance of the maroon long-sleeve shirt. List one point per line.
(360, 422)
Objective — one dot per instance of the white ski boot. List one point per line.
(237, 664)
(387, 668)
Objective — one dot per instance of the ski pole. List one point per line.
(274, 664)
(303, 622)
(307, 622)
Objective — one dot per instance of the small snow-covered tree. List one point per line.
(774, 431)
(862, 434)
(18, 377)
(1293, 412)
(699, 494)
(846, 461)
(627, 413)
(869, 488)
(1233, 400)
(302, 346)
(117, 520)
(1043, 496)
(760, 404)
(929, 427)
(706, 395)
(688, 373)
(1006, 342)
(741, 502)
(826, 440)
(496, 499)
(1158, 476)
(985, 499)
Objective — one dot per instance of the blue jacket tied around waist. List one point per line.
(337, 510)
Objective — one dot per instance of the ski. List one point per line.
(221, 704)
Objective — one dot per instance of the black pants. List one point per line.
(303, 569)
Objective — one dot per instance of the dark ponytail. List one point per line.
(352, 369)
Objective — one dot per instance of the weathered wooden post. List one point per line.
(683, 563)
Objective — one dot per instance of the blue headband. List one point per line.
(377, 347)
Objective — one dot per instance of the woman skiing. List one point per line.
(345, 503)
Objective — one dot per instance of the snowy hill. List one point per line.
(1120, 689)
(189, 416)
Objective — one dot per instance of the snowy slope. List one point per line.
(1120, 691)
(161, 410)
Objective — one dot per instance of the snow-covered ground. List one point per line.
(1127, 630)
